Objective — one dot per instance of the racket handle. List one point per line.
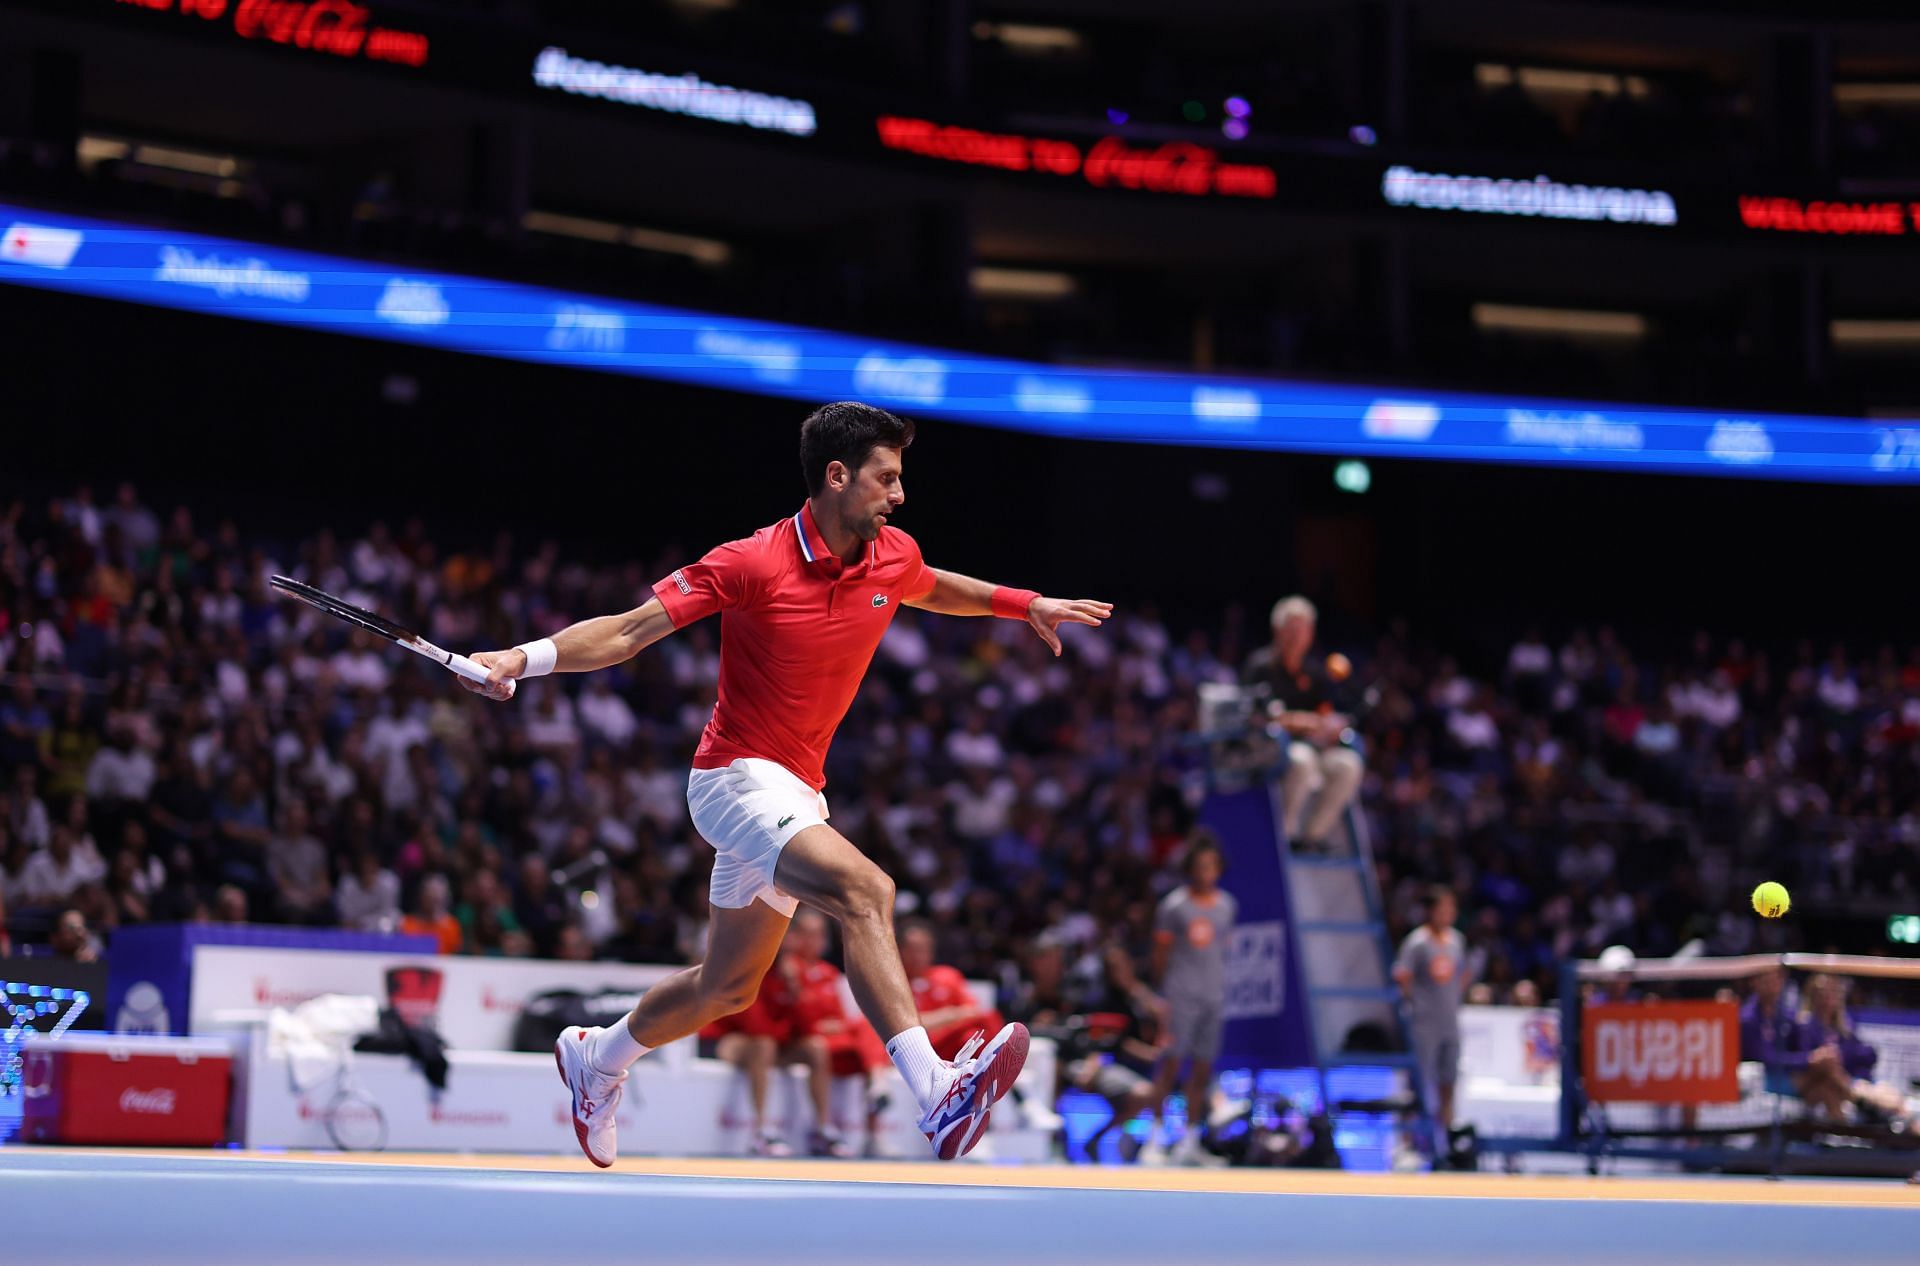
(475, 672)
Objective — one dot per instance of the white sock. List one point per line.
(912, 1054)
(612, 1050)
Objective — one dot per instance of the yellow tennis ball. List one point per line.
(1770, 900)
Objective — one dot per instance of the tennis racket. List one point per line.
(384, 627)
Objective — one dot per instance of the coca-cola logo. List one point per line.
(1180, 167)
(1176, 167)
(326, 26)
(157, 1102)
(338, 28)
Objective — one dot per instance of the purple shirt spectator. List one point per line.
(1856, 1056)
(1769, 1035)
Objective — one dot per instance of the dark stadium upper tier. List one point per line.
(1760, 88)
(1374, 191)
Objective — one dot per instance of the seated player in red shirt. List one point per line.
(751, 1041)
(948, 1010)
(800, 1017)
(831, 1039)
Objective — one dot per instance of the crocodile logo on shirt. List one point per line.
(783, 821)
(879, 599)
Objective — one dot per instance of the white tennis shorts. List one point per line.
(748, 811)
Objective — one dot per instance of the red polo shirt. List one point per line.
(940, 988)
(771, 1014)
(798, 628)
(819, 1009)
(943, 987)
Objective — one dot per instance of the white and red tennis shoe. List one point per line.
(596, 1096)
(957, 1118)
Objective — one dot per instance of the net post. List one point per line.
(1569, 1052)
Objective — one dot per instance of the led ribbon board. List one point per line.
(1835, 219)
(1542, 196)
(675, 94)
(194, 273)
(1175, 167)
(333, 28)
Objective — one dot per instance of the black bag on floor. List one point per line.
(546, 1014)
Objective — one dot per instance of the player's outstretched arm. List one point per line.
(954, 594)
(580, 648)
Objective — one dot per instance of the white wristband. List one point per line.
(541, 657)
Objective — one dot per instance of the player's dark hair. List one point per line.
(846, 432)
(1202, 841)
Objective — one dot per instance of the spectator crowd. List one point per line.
(176, 743)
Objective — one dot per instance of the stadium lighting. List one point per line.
(1549, 81)
(701, 250)
(1904, 929)
(1021, 283)
(1354, 477)
(1029, 38)
(1868, 333)
(1568, 322)
(1895, 94)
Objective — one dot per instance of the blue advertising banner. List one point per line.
(194, 273)
(1266, 991)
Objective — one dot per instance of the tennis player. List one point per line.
(803, 603)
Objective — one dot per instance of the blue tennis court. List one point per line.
(94, 1207)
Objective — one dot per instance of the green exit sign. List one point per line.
(1904, 929)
